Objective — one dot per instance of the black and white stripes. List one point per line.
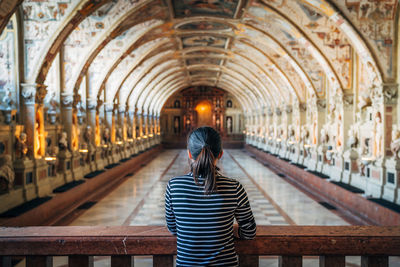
(204, 223)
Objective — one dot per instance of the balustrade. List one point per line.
(80, 243)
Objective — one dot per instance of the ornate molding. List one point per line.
(28, 93)
(91, 103)
(390, 92)
(109, 106)
(321, 103)
(348, 100)
(67, 100)
(278, 111)
(270, 112)
(288, 109)
(303, 107)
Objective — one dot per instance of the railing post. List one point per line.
(80, 261)
(248, 260)
(5, 261)
(122, 261)
(34, 261)
(290, 261)
(163, 260)
(374, 261)
(332, 261)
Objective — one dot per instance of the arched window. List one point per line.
(229, 103)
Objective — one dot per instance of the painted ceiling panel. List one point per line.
(272, 51)
(184, 8)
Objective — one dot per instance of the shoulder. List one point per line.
(180, 179)
(228, 180)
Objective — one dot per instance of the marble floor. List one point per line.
(140, 200)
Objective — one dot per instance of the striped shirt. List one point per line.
(204, 223)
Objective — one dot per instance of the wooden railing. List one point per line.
(80, 243)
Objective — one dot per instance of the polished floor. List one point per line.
(140, 200)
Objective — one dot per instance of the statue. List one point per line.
(7, 99)
(52, 112)
(352, 142)
(304, 135)
(88, 136)
(119, 134)
(21, 148)
(324, 136)
(63, 142)
(7, 175)
(395, 144)
(106, 136)
(364, 100)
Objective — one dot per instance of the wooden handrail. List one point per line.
(150, 240)
(291, 242)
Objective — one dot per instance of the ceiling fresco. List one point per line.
(184, 8)
(269, 52)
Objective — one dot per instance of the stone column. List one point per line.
(64, 156)
(32, 103)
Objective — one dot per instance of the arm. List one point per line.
(244, 215)
(169, 212)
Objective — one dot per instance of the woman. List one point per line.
(201, 206)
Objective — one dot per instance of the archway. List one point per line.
(204, 113)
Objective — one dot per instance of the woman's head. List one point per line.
(204, 146)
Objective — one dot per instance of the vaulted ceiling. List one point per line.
(267, 53)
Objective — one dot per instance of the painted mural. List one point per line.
(88, 34)
(41, 20)
(205, 8)
(203, 60)
(204, 26)
(323, 32)
(8, 71)
(376, 21)
(204, 40)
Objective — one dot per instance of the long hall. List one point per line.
(98, 99)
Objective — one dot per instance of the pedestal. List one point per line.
(312, 159)
(65, 165)
(350, 165)
(391, 186)
(77, 163)
(376, 180)
(337, 166)
(321, 159)
(98, 159)
(42, 183)
(24, 176)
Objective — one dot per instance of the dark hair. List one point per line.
(204, 144)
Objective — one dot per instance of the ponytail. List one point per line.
(204, 145)
(204, 166)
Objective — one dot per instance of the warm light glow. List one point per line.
(130, 140)
(105, 146)
(119, 142)
(83, 150)
(150, 135)
(50, 158)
